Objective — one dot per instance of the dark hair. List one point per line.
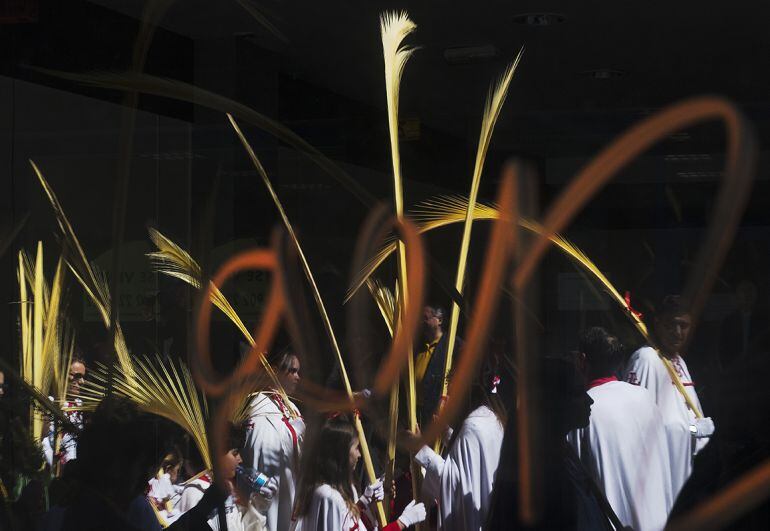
(171, 460)
(236, 436)
(672, 306)
(480, 393)
(437, 311)
(282, 360)
(603, 351)
(328, 462)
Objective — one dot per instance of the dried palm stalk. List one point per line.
(88, 275)
(494, 105)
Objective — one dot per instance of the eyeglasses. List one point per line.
(75, 376)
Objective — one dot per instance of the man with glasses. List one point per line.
(67, 450)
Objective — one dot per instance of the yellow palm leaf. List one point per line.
(89, 277)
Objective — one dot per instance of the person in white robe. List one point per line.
(163, 491)
(328, 498)
(275, 431)
(461, 482)
(67, 450)
(686, 431)
(243, 510)
(624, 446)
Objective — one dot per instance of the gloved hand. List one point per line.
(413, 514)
(269, 489)
(702, 428)
(374, 492)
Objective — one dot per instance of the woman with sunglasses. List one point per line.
(68, 444)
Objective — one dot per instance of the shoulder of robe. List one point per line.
(645, 353)
(327, 491)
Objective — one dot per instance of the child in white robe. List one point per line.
(275, 431)
(328, 499)
(243, 510)
(462, 481)
(686, 434)
(624, 446)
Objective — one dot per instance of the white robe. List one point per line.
(625, 449)
(68, 449)
(239, 518)
(645, 368)
(161, 491)
(328, 511)
(462, 482)
(271, 449)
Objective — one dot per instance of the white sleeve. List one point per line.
(433, 465)
(191, 495)
(47, 450)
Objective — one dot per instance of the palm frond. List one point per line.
(90, 278)
(492, 110)
(318, 300)
(447, 210)
(166, 388)
(170, 259)
(385, 301)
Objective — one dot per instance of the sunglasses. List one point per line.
(75, 376)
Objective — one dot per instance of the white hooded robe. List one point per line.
(625, 449)
(273, 443)
(462, 481)
(645, 368)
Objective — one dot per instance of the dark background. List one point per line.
(590, 70)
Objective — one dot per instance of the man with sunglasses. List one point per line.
(67, 444)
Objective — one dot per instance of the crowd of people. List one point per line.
(620, 432)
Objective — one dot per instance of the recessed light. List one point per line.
(603, 73)
(540, 19)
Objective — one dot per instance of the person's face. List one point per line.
(577, 409)
(290, 377)
(431, 324)
(231, 461)
(355, 453)
(173, 472)
(2, 384)
(673, 332)
(76, 377)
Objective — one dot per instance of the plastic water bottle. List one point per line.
(249, 479)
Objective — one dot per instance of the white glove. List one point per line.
(374, 492)
(413, 514)
(702, 428)
(269, 489)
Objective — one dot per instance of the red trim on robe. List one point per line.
(601, 381)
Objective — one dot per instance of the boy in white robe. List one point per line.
(242, 509)
(686, 432)
(275, 431)
(624, 446)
